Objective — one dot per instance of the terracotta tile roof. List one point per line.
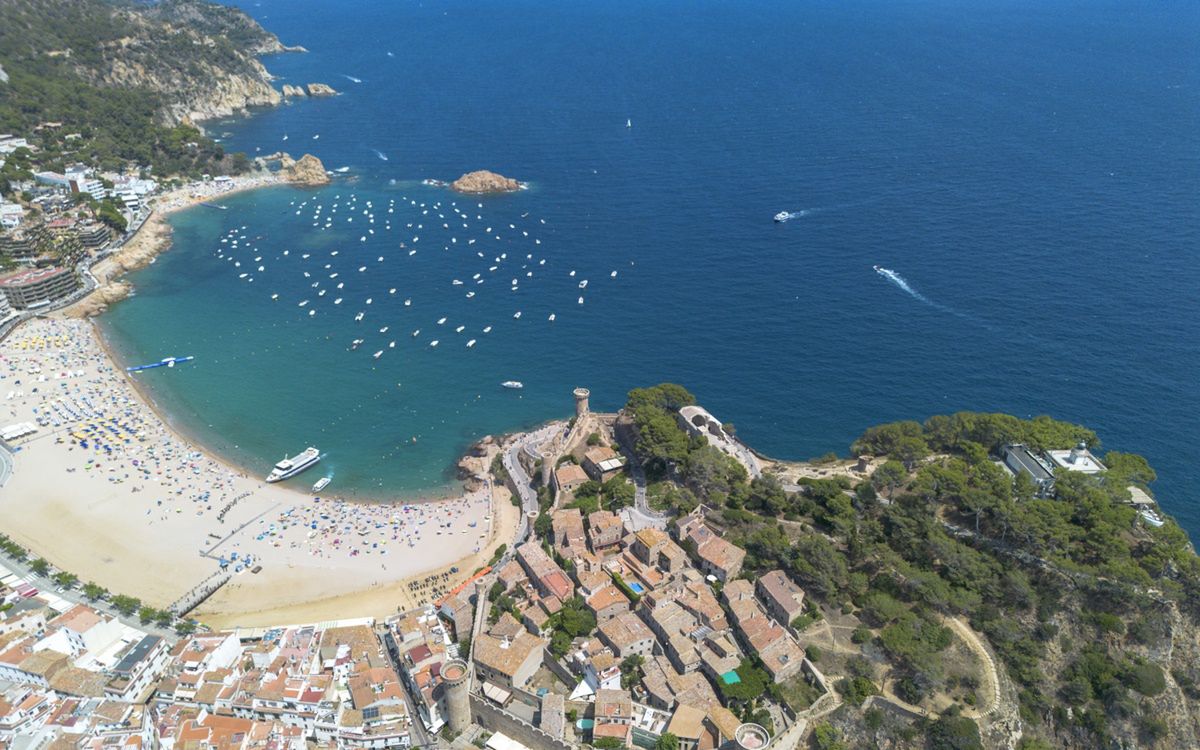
(506, 626)
(570, 474)
(505, 657)
(623, 732)
(782, 591)
(558, 584)
(624, 631)
(613, 704)
(650, 538)
(687, 722)
(606, 597)
(724, 719)
(44, 663)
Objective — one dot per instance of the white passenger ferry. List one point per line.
(290, 467)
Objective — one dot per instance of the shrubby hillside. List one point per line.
(130, 78)
(1092, 614)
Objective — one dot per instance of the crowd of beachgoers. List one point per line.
(100, 452)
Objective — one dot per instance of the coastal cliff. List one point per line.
(217, 92)
(197, 60)
(200, 58)
(483, 181)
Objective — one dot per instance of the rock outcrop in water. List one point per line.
(321, 89)
(483, 181)
(293, 91)
(307, 171)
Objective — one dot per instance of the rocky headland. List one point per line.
(307, 171)
(154, 235)
(98, 301)
(483, 181)
(152, 238)
(217, 77)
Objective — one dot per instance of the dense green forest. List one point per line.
(1073, 593)
(60, 57)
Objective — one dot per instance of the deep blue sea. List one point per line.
(1028, 170)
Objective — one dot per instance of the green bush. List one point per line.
(753, 685)
(629, 593)
(499, 553)
(1146, 677)
(801, 622)
(951, 732)
(856, 689)
(827, 737)
(1152, 727)
(1106, 622)
(910, 690)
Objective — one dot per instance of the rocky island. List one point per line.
(483, 181)
(307, 171)
(321, 89)
(313, 89)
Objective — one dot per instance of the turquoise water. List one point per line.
(1027, 170)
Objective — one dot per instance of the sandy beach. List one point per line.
(106, 490)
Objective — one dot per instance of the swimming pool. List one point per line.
(637, 588)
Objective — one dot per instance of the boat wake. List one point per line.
(351, 78)
(382, 156)
(899, 281)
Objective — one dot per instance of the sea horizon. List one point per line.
(1033, 234)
